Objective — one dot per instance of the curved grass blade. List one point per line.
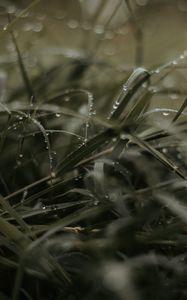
(14, 234)
(13, 213)
(181, 109)
(135, 81)
(84, 151)
(25, 77)
(158, 155)
(11, 24)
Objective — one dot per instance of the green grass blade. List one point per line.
(84, 151)
(158, 155)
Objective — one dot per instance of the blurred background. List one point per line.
(114, 27)
(113, 36)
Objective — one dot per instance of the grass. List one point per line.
(93, 183)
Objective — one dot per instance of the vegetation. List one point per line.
(93, 181)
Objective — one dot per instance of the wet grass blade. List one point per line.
(25, 77)
(135, 81)
(181, 109)
(12, 23)
(12, 212)
(14, 234)
(84, 151)
(158, 155)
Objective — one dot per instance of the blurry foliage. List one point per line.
(92, 172)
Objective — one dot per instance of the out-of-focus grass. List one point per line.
(92, 180)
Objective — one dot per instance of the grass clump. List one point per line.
(93, 181)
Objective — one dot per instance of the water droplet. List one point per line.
(157, 71)
(72, 24)
(165, 150)
(99, 29)
(96, 202)
(43, 207)
(57, 115)
(174, 96)
(165, 114)
(175, 62)
(38, 27)
(20, 118)
(67, 99)
(21, 155)
(115, 106)
(53, 174)
(5, 27)
(123, 136)
(152, 89)
(145, 85)
(125, 88)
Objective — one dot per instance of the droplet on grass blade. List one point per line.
(57, 115)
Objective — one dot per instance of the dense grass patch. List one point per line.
(92, 178)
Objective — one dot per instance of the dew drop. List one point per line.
(174, 62)
(99, 29)
(123, 136)
(57, 115)
(144, 85)
(165, 114)
(165, 150)
(72, 24)
(5, 27)
(67, 99)
(125, 88)
(53, 174)
(38, 27)
(174, 96)
(96, 202)
(21, 155)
